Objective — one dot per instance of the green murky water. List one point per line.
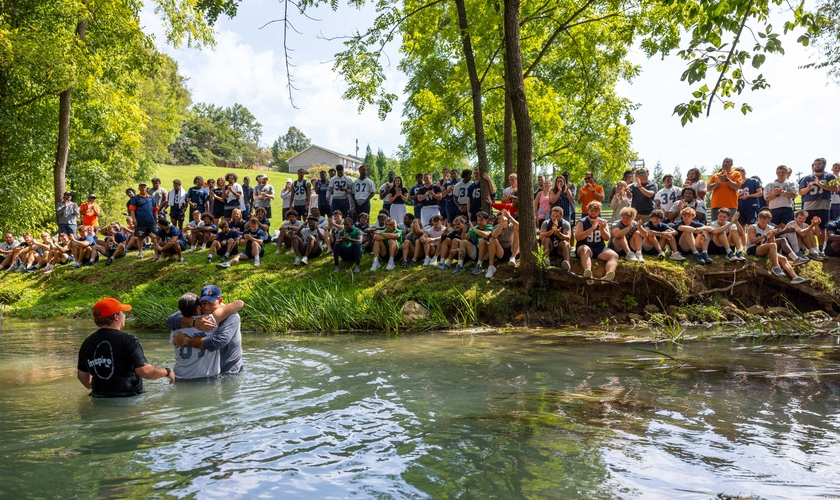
(429, 416)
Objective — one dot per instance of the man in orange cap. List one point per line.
(111, 362)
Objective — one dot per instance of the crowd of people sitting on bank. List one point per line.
(729, 214)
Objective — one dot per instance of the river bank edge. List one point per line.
(283, 298)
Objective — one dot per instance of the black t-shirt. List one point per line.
(111, 357)
(430, 201)
(394, 194)
(643, 204)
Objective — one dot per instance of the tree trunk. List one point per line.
(509, 144)
(475, 87)
(524, 147)
(63, 148)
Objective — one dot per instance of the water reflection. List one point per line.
(429, 416)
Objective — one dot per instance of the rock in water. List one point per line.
(414, 312)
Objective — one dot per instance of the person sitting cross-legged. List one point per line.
(590, 233)
(555, 236)
(451, 242)
(412, 246)
(468, 248)
(84, 248)
(225, 244)
(503, 243)
(693, 236)
(431, 241)
(287, 231)
(348, 245)
(114, 245)
(203, 234)
(725, 236)
(805, 235)
(761, 242)
(386, 244)
(307, 240)
(626, 235)
(254, 240)
(659, 237)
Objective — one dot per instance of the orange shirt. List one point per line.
(724, 195)
(92, 218)
(586, 195)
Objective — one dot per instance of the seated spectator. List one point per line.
(503, 243)
(254, 241)
(694, 236)
(236, 222)
(591, 233)
(114, 245)
(626, 236)
(367, 232)
(287, 231)
(308, 239)
(336, 224)
(660, 236)
(805, 235)
(84, 248)
(169, 242)
(725, 236)
(451, 241)
(555, 237)
(263, 222)
(689, 200)
(41, 250)
(348, 245)
(761, 242)
(225, 244)
(468, 248)
(60, 253)
(411, 245)
(203, 233)
(431, 240)
(6, 250)
(386, 244)
(832, 247)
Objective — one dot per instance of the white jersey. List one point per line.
(434, 233)
(363, 190)
(387, 188)
(336, 183)
(667, 197)
(299, 189)
(192, 363)
(758, 232)
(460, 192)
(717, 224)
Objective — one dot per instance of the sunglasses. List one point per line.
(642, 172)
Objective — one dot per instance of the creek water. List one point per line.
(536, 415)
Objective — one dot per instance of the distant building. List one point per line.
(318, 156)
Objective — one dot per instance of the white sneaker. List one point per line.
(223, 265)
(139, 255)
(677, 256)
(512, 262)
(662, 255)
(390, 265)
(631, 257)
(610, 276)
(304, 260)
(203, 247)
(433, 262)
(639, 256)
(490, 272)
(587, 273)
(565, 265)
(547, 262)
(192, 249)
(376, 265)
(257, 261)
(297, 260)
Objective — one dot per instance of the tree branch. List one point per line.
(554, 35)
(728, 58)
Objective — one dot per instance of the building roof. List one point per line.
(346, 157)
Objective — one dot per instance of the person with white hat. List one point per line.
(263, 194)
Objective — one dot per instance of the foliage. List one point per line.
(213, 134)
(828, 40)
(284, 147)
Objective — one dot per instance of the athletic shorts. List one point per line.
(507, 253)
(176, 213)
(143, 231)
(822, 214)
(649, 250)
(751, 250)
(781, 215)
(247, 251)
(716, 250)
(596, 250)
(830, 251)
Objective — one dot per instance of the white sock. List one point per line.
(391, 260)
(460, 262)
(257, 259)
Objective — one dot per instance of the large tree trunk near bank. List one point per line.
(63, 147)
(524, 146)
(509, 144)
(475, 87)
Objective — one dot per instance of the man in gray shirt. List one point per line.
(67, 212)
(227, 339)
(263, 194)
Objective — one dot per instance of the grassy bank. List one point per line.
(282, 297)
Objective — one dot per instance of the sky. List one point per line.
(793, 122)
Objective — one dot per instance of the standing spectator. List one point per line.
(694, 181)
(780, 195)
(627, 178)
(561, 196)
(263, 194)
(340, 187)
(247, 197)
(143, 212)
(513, 183)
(286, 196)
(461, 189)
(643, 192)
(385, 191)
(542, 202)
(322, 187)
(412, 193)
(177, 200)
(234, 199)
(217, 199)
(362, 191)
(668, 195)
(198, 197)
(111, 362)
(67, 212)
(474, 194)
(159, 194)
(450, 206)
(444, 185)
(429, 195)
(749, 195)
(835, 196)
(620, 200)
(398, 196)
(725, 187)
(590, 191)
(302, 190)
(90, 213)
(816, 190)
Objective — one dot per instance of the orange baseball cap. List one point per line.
(108, 307)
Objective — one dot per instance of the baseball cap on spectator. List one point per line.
(142, 184)
(91, 195)
(210, 293)
(362, 168)
(288, 181)
(68, 193)
(108, 307)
